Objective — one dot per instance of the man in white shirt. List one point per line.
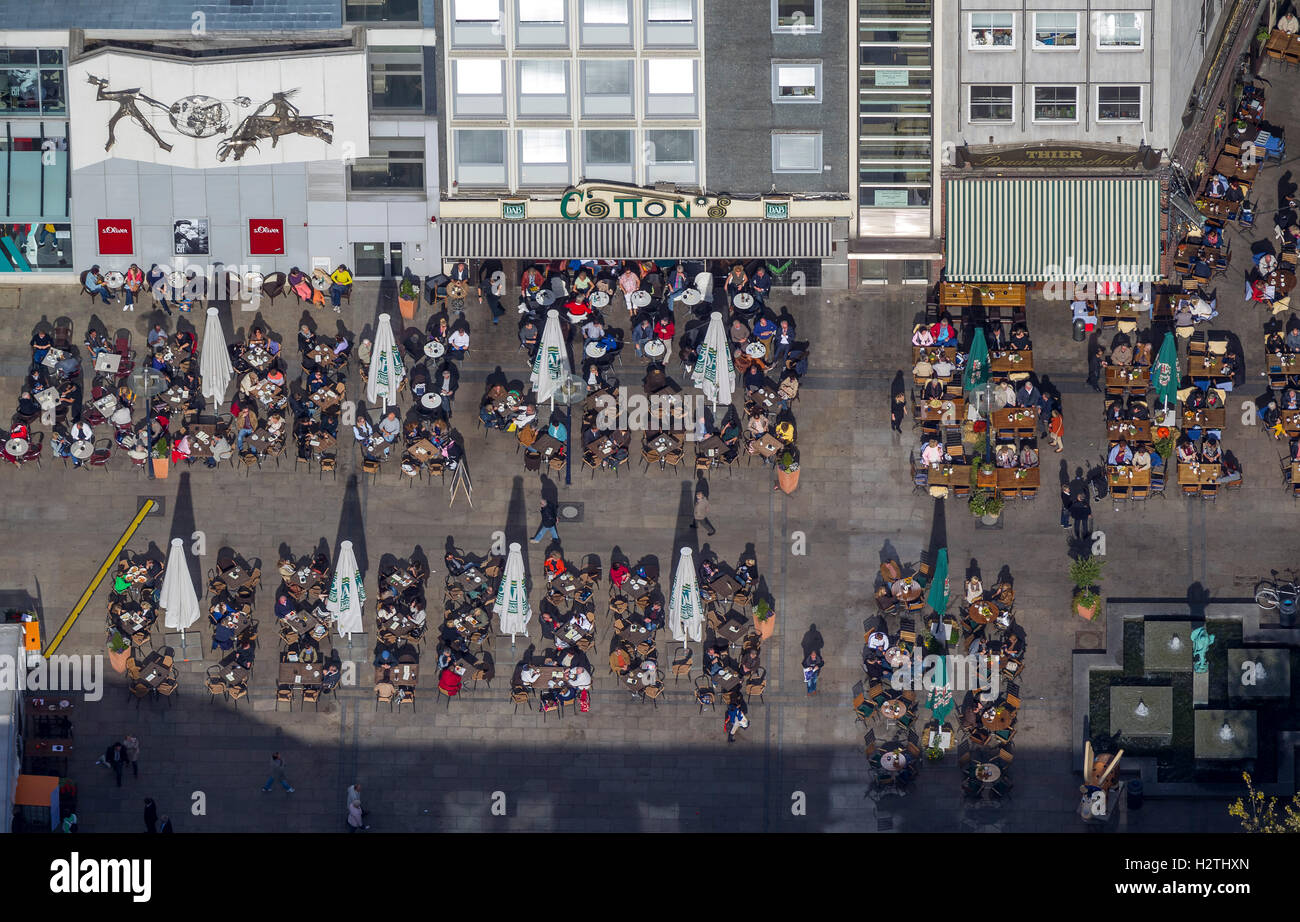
(944, 368)
(528, 675)
(458, 342)
(1289, 24)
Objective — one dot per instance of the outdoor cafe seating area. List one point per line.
(982, 638)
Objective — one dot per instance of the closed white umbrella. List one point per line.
(511, 606)
(714, 372)
(178, 598)
(347, 594)
(551, 366)
(386, 367)
(215, 370)
(685, 609)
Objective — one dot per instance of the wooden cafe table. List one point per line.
(1215, 418)
(1290, 420)
(300, 674)
(1110, 312)
(1206, 366)
(1126, 477)
(1283, 365)
(1022, 421)
(961, 294)
(1135, 430)
(993, 720)
(1011, 362)
(1295, 474)
(948, 475)
(1198, 475)
(1131, 379)
(930, 413)
(1012, 480)
(982, 612)
(1231, 167)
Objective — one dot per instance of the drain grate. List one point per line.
(159, 504)
(884, 824)
(571, 512)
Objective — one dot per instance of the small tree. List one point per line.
(1085, 573)
(1260, 813)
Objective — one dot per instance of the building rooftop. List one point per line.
(177, 15)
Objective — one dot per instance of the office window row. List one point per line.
(556, 157)
(1056, 31)
(601, 23)
(543, 88)
(1054, 103)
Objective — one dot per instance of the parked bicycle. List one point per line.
(1282, 595)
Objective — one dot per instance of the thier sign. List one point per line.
(1055, 156)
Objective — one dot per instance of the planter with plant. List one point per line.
(986, 506)
(161, 458)
(1164, 442)
(407, 298)
(787, 470)
(118, 651)
(764, 618)
(1085, 573)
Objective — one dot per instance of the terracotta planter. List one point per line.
(160, 468)
(118, 660)
(407, 307)
(766, 627)
(1087, 613)
(788, 481)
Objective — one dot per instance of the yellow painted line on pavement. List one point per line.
(99, 576)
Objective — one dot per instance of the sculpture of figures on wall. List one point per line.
(1201, 643)
(273, 119)
(126, 106)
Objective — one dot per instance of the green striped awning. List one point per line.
(1043, 230)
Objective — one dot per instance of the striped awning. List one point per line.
(1043, 230)
(721, 239)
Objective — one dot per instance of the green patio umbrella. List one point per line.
(1164, 372)
(976, 374)
(940, 701)
(938, 597)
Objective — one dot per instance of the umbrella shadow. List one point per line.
(184, 525)
(516, 526)
(683, 534)
(352, 524)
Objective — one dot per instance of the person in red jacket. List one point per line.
(449, 681)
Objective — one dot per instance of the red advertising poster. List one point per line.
(266, 236)
(115, 237)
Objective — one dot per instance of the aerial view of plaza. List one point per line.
(650, 416)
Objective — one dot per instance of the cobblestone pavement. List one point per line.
(628, 765)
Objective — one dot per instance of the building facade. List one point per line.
(1054, 113)
(237, 134)
(600, 129)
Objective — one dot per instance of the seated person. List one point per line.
(934, 390)
(1186, 451)
(1138, 409)
(1019, 339)
(943, 332)
(1003, 394)
(1195, 399)
(1121, 354)
(1028, 455)
(933, 452)
(1005, 455)
(1120, 454)
(922, 336)
(1211, 453)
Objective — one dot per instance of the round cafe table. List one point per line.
(320, 282)
(655, 348)
(457, 289)
(16, 448)
(893, 761)
(906, 589)
(895, 656)
(983, 612)
(431, 401)
(691, 297)
(595, 351)
(743, 301)
(82, 450)
(599, 299)
(640, 299)
(893, 709)
(756, 350)
(434, 349)
(176, 280)
(987, 772)
(114, 280)
(992, 720)
(545, 297)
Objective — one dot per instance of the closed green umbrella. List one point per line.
(938, 598)
(1164, 372)
(976, 374)
(940, 701)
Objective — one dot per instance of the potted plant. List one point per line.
(986, 506)
(764, 618)
(934, 753)
(161, 458)
(118, 651)
(1085, 573)
(787, 471)
(408, 297)
(1164, 441)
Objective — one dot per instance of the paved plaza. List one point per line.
(626, 764)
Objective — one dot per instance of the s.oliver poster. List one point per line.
(266, 236)
(115, 237)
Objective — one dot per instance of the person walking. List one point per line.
(356, 821)
(736, 719)
(354, 797)
(1067, 501)
(1096, 361)
(132, 747)
(277, 774)
(115, 757)
(150, 815)
(897, 402)
(701, 513)
(548, 523)
(165, 824)
(1081, 512)
(812, 667)
(1056, 430)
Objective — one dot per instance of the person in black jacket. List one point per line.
(1081, 511)
(165, 824)
(548, 523)
(150, 815)
(115, 758)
